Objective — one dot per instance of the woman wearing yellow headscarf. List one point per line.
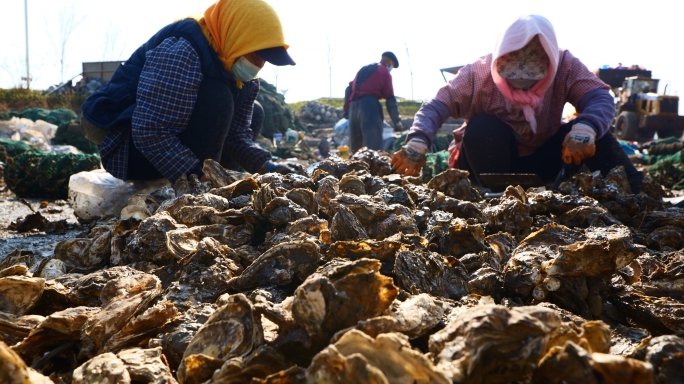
(188, 94)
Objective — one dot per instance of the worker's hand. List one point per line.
(398, 127)
(410, 159)
(579, 144)
(278, 168)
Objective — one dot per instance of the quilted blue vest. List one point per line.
(113, 104)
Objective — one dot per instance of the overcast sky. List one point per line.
(338, 37)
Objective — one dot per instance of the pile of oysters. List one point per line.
(356, 275)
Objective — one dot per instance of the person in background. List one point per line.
(619, 66)
(512, 101)
(362, 103)
(188, 94)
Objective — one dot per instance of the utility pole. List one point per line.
(28, 73)
(329, 70)
(408, 59)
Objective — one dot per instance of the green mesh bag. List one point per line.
(667, 170)
(34, 173)
(70, 133)
(55, 116)
(11, 148)
(9, 115)
(435, 163)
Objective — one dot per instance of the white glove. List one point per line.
(579, 144)
(415, 149)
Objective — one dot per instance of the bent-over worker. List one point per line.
(188, 94)
(362, 102)
(512, 101)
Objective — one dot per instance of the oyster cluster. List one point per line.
(355, 275)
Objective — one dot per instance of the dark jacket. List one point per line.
(373, 79)
(114, 103)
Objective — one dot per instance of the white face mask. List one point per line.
(390, 68)
(244, 70)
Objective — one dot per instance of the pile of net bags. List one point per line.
(45, 128)
(666, 162)
(31, 172)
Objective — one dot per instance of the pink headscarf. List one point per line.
(516, 36)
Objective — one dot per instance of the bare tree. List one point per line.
(68, 21)
(110, 41)
(408, 59)
(13, 69)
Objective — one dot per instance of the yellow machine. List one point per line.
(640, 112)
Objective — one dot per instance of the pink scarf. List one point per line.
(515, 37)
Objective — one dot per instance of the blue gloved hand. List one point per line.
(270, 166)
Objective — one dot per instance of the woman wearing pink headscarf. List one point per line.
(512, 101)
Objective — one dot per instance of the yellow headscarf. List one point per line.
(237, 27)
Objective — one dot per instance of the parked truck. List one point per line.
(640, 111)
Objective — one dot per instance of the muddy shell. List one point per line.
(572, 363)
(340, 294)
(233, 330)
(484, 344)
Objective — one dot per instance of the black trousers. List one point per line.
(205, 135)
(365, 123)
(489, 146)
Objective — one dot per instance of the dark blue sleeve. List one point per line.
(597, 109)
(239, 141)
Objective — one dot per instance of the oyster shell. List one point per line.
(572, 364)
(15, 371)
(182, 243)
(351, 183)
(345, 226)
(330, 366)
(122, 299)
(327, 191)
(245, 187)
(14, 329)
(104, 368)
(86, 253)
(455, 183)
(233, 330)
(414, 318)
(55, 330)
(148, 242)
(280, 265)
(493, 344)
(305, 198)
(261, 363)
(146, 365)
(18, 294)
(340, 294)
(16, 257)
(660, 315)
(219, 176)
(390, 353)
(511, 214)
(666, 356)
(428, 272)
(379, 162)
